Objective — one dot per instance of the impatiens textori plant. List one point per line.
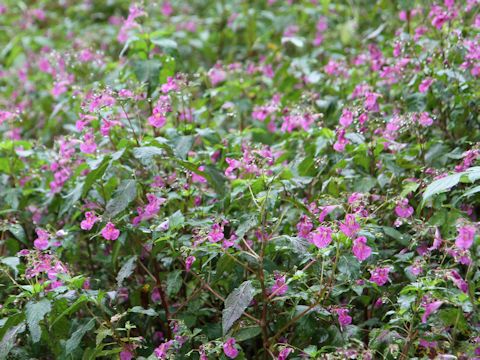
(268, 179)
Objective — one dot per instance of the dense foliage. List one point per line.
(239, 179)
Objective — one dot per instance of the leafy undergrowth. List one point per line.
(239, 179)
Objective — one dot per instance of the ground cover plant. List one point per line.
(239, 179)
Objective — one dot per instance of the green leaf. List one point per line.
(123, 196)
(174, 282)
(141, 310)
(72, 308)
(95, 174)
(12, 262)
(235, 304)
(182, 145)
(18, 232)
(148, 71)
(35, 312)
(74, 341)
(247, 333)
(9, 340)
(126, 270)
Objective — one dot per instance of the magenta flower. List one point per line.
(189, 262)
(346, 119)
(403, 210)
(216, 233)
(321, 237)
(379, 275)
(370, 102)
(88, 146)
(158, 119)
(425, 85)
(425, 119)
(41, 242)
(161, 352)
(429, 309)
(458, 281)
(283, 354)
(229, 348)
(109, 232)
(360, 248)
(304, 226)
(343, 318)
(90, 220)
(350, 227)
(280, 287)
(466, 235)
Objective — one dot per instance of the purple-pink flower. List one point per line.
(379, 275)
(465, 237)
(343, 318)
(430, 308)
(229, 348)
(109, 232)
(360, 248)
(350, 227)
(90, 220)
(425, 85)
(403, 209)
(321, 237)
(41, 242)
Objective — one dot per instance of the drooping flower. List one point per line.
(109, 232)
(41, 242)
(466, 235)
(425, 119)
(343, 318)
(403, 210)
(425, 85)
(430, 308)
(370, 102)
(283, 354)
(189, 262)
(379, 275)
(360, 248)
(90, 220)
(350, 227)
(304, 226)
(458, 281)
(321, 237)
(161, 352)
(280, 287)
(229, 348)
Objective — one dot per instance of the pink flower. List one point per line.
(403, 210)
(283, 354)
(425, 85)
(88, 146)
(360, 248)
(425, 119)
(458, 281)
(350, 227)
(466, 235)
(280, 287)
(229, 348)
(347, 118)
(370, 102)
(162, 351)
(216, 233)
(126, 355)
(341, 142)
(189, 262)
(343, 318)
(430, 308)
(321, 237)
(41, 242)
(170, 85)
(217, 74)
(158, 119)
(109, 232)
(304, 226)
(379, 275)
(90, 220)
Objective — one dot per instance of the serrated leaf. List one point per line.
(126, 193)
(126, 270)
(12, 262)
(182, 145)
(9, 339)
(77, 336)
(35, 312)
(95, 174)
(236, 303)
(174, 282)
(18, 231)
